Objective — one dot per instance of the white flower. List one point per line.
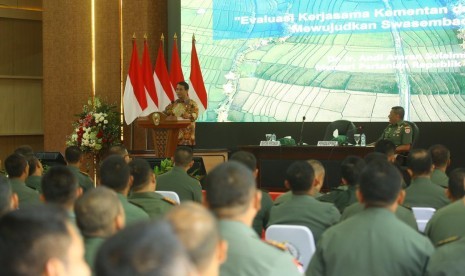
(105, 121)
(74, 137)
(85, 135)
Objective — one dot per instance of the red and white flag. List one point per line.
(176, 74)
(149, 85)
(134, 100)
(197, 91)
(162, 80)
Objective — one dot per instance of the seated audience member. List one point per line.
(74, 157)
(302, 208)
(384, 245)
(261, 219)
(233, 197)
(197, 229)
(121, 151)
(35, 174)
(60, 187)
(441, 160)
(449, 221)
(344, 195)
(448, 259)
(145, 249)
(319, 171)
(39, 240)
(387, 147)
(18, 169)
(25, 150)
(8, 199)
(115, 174)
(99, 215)
(143, 192)
(422, 192)
(177, 180)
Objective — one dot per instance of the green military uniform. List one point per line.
(91, 246)
(448, 259)
(154, 204)
(306, 211)
(447, 222)
(133, 213)
(249, 256)
(25, 194)
(440, 178)
(261, 219)
(341, 197)
(423, 193)
(287, 195)
(84, 179)
(399, 133)
(34, 182)
(373, 242)
(403, 213)
(178, 181)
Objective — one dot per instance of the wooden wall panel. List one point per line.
(9, 143)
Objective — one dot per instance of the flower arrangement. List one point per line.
(98, 127)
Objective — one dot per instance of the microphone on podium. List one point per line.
(301, 132)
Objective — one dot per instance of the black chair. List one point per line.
(415, 133)
(344, 127)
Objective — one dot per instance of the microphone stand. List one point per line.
(301, 132)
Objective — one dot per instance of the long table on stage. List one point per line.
(272, 162)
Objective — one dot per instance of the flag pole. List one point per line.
(132, 124)
(146, 130)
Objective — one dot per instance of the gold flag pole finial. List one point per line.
(193, 37)
(175, 36)
(162, 38)
(145, 36)
(134, 36)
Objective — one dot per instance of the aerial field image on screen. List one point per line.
(280, 60)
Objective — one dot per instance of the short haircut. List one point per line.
(59, 185)
(96, 211)
(73, 154)
(246, 158)
(440, 155)
(399, 110)
(114, 173)
(25, 150)
(148, 248)
(317, 166)
(183, 156)
(375, 156)
(33, 163)
(229, 189)
(419, 161)
(380, 183)
(31, 236)
(117, 150)
(197, 230)
(15, 164)
(141, 172)
(456, 183)
(5, 195)
(300, 176)
(183, 83)
(385, 146)
(351, 168)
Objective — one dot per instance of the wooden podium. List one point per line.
(165, 132)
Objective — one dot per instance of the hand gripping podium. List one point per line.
(165, 130)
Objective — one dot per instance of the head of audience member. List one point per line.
(8, 199)
(73, 156)
(232, 193)
(197, 229)
(182, 90)
(456, 187)
(387, 147)
(319, 179)
(440, 156)
(115, 174)
(299, 178)
(60, 186)
(397, 114)
(35, 166)
(351, 168)
(148, 248)
(99, 213)
(380, 185)
(25, 150)
(121, 151)
(183, 157)
(375, 156)
(143, 176)
(247, 159)
(40, 240)
(419, 163)
(17, 167)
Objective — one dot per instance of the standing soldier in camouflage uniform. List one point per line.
(398, 131)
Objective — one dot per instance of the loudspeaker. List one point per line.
(50, 158)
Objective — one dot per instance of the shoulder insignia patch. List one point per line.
(407, 130)
(448, 240)
(279, 245)
(170, 201)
